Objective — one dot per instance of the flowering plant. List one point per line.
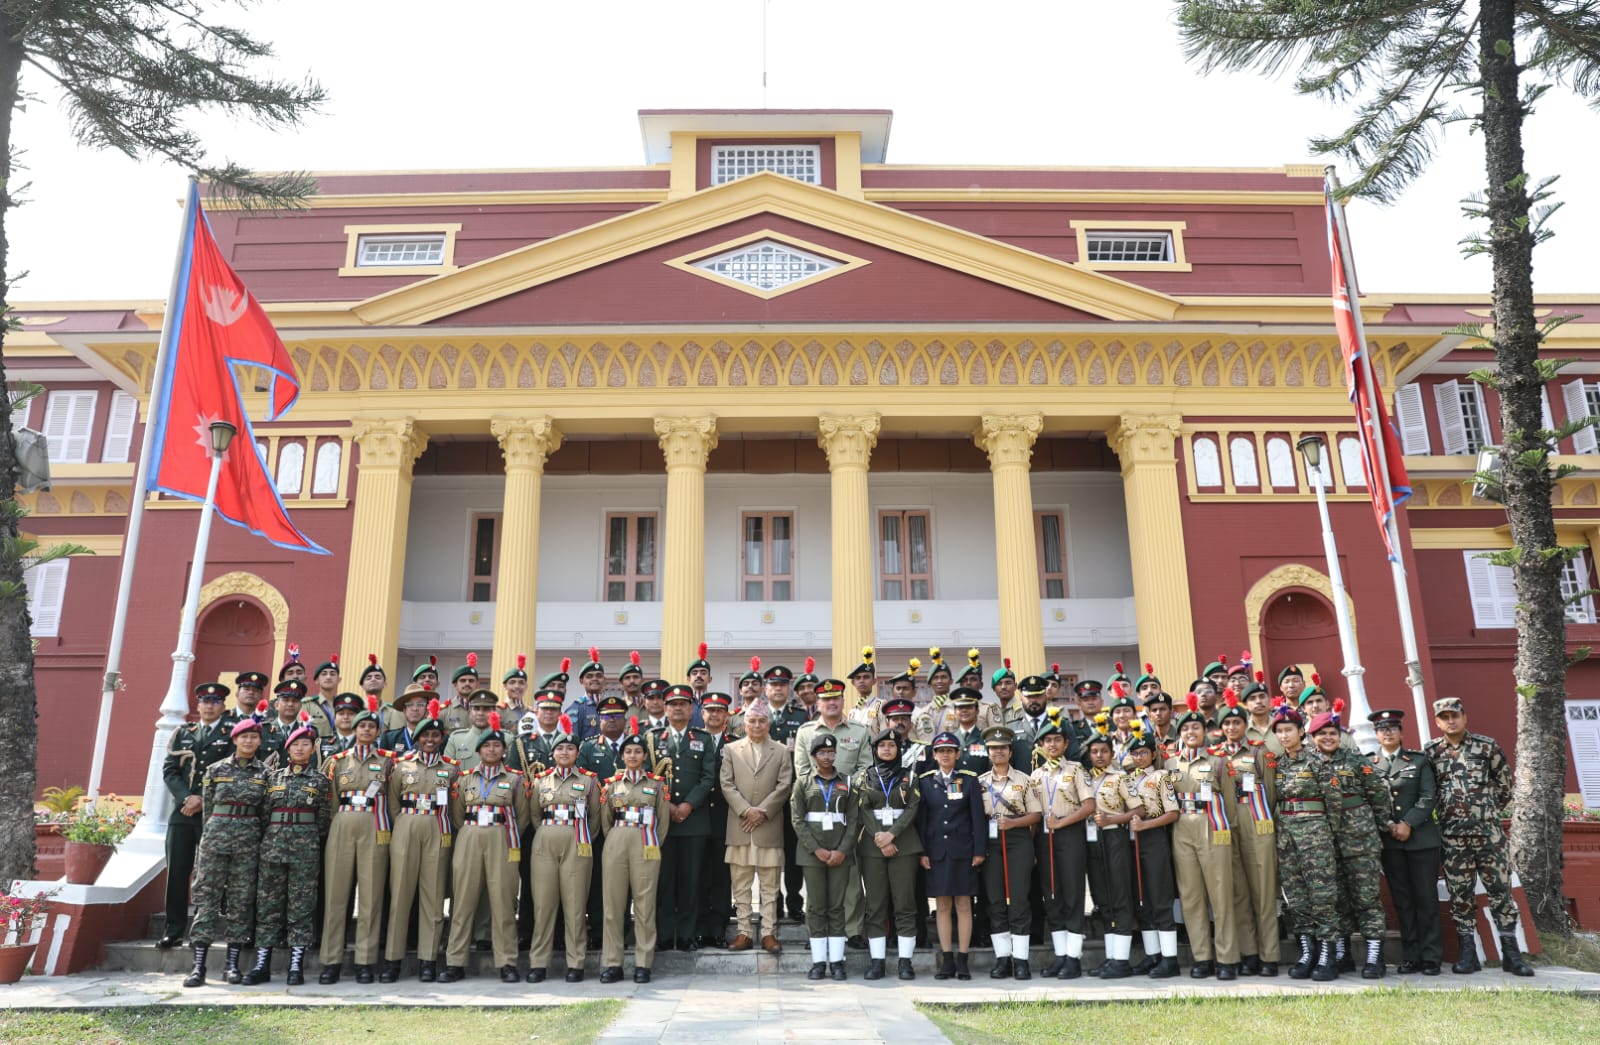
(1572, 809)
(106, 822)
(19, 913)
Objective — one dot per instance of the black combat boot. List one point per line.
(875, 970)
(1166, 968)
(1002, 969)
(947, 966)
(962, 971)
(836, 970)
(575, 974)
(389, 972)
(1202, 970)
(1054, 968)
(1020, 970)
(233, 975)
(1250, 965)
(536, 975)
(1468, 962)
(364, 974)
(1301, 969)
(1341, 954)
(197, 975)
(427, 972)
(1327, 965)
(1373, 969)
(1511, 959)
(330, 974)
(508, 974)
(451, 974)
(1071, 969)
(297, 967)
(818, 971)
(907, 972)
(611, 974)
(262, 972)
(1269, 969)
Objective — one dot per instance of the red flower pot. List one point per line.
(50, 852)
(1580, 871)
(85, 861)
(14, 958)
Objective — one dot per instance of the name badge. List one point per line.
(885, 816)
(485, 817)
(1249, 783)
(994, 829)
(1092, 832)
(563, 814)
(1205, 792)
(373, 789)
(442, 796)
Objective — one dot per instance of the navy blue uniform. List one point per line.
(953, 828)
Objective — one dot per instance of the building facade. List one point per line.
(771, 392)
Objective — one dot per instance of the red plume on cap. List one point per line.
(372, 703)
(1193, 701)
(1338, 706)
(433, 708)
(633, 658)
(1222, 658)
(1119, 667)
(433, 661)
(294, 652)
(522, 661)
(305, 716)
(811, 665)
(472, 661)
(1279, 701)
(1316, 680)
(1231, 698)
(427, 687)
(1261, 676)
(566, 665)
(566, 725)
(594, 654)
(1245, 657)
(633, 725)
(261, 707)
(334, 660)
(1006, 661)
(702, 653)
(755, 663)
(494, 721)
(1119, 689)
(1149, 668)
(372, 658)
(1055, 669)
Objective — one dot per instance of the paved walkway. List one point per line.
(680, 1010)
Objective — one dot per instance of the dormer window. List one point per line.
(800, 162)
(399, 250)
(1134, 246)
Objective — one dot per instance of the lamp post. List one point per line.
(175, 705)
(1312, 448)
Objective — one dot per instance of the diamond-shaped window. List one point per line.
(767, 265)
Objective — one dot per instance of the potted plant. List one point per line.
(93, 834)
(50, 818)
(18, 913)
(1580, 856)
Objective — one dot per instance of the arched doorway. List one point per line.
(1298, 627)
(234, 634)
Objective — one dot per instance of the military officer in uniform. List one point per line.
(249, 688)
(346, 706)
(318, 702)
(1365, 808)
(1202, 846)
(1091, 698)
(1013, 810)
(1061, 787)
(1255, 864)
(1110, 863)
(1310, 806)
(939, 714)
(533, 751)
(635, 816)
(1474, 786)
(1155, 810)
(602, 755)
(864, 678)
(232, 798)
(194, 748)
(564, 801)
(827, 820)
(952, 827)
(282, 718)
(685, 757)
(297, 819)
(584, 707)
(514, 683)
(412, 706)
(967, 728)
(1411, 843)
(357, 854)
(419, 847)
(889, 851)
(716, 885)
(457, 712)
(462, 743)
(850, 752)
(489, 812)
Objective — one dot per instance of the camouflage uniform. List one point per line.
(1365, 805)
(1309, 809)
(1474, 786)
(297, 817)
(225, 875)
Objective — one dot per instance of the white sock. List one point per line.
(836, 948)
(1019, 947)
(1002, 945)
(1151, 940)
(878, 947)
(819, 948)
(1058, 942)
(1123, 946)
(907, 945)
(1074, 945)
(1169, 943)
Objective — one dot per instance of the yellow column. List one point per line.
(685, 443)
(388, 446)
(848, 442)
(526, 443)
(1145, 443)
(1008, 440)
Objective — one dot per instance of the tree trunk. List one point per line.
(19, 727)
(1541, 751)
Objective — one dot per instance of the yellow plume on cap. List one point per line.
(1053, 713)
(936, 654)
(866, 654)
(915, 665)
(1136, 728)
(972, 656)
(1100, 718)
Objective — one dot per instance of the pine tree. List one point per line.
(129, 74)
(1402, 67)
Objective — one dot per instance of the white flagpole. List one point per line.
(130, 547)
(1397, 570)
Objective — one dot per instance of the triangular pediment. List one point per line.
(767, 196)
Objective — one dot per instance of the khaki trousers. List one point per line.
(746, 876)
(1205, 888)
(353, 857)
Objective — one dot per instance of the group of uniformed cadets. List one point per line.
(668, 810)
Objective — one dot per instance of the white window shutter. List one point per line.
(1544, 408)
(1494, 596)
(68, 423)
(119, 428)
(1577, 404)
(1447, 397)
(1575, 578)
(47, 592)
(1412, 422)
(1583, 728)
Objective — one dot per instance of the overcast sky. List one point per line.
(493, 84)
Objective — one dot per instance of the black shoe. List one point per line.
(946, 967)
(1055, 967)
(906, 971)
(836, 971)
(1430, 969)
(1301, 970)
(575, 975)
(1118, 969)
(428, 972)
(364, 974)
(197, 975)
(1166, 968)
(330, 974)
(962, 972)
(1373, 969)
(1225, 971)
(611, 974)
(1269, 969)
(1468, 962)
(452, 973)
(1327, 965)
(1001, 970)
(262, 973)
(1020, 970)
(641, 975)
(1071, 969)
(856, 943)
(1202, 970)
(508, 974)
(233, 974)
(1250, 965)
(1146, 965)
(1342, 952)
(169, 941)
(536, 975)
(875, 970)
(1406, 968)
(295, 978)
(818, 971)
(390, 973)
(1511, 959)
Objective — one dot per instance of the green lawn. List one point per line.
(1414, 1017)
(574, 1024)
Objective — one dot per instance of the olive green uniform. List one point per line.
(419, 850)
(357, 853)
(891, 808)
(826, 815)
(489, 810)
(565, 804)
(635, 818)
(1255, 863)
(1202, 852)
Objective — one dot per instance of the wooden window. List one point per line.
(631, 557)
(484, 550)
(1462, 420)
(1050, 542)
(119, 428)
(905, 558)
(768, 554)
(68, 423)
(47, 594)
(1411, 421)
(1582, 399)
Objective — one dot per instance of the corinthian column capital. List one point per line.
(389, 442)
(1146, 437)
(686, 442)
(1008, 438)
(848, 440)
(526, 442)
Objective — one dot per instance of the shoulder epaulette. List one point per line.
(514, 772)
(1256, 743)
(449, 761)
(588, 772)
(658, 779)
(385, 754)
(409, 756)
(929, 773)
(615, 777)
(966, 772)
(545, 772)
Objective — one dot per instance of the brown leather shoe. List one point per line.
(741, 943)
(771, 945)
